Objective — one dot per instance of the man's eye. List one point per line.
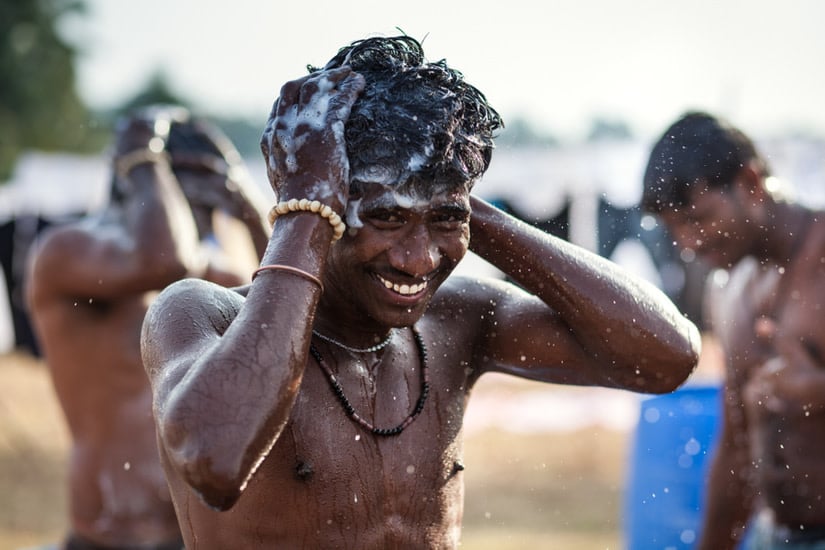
(385, 219)
(450, 221)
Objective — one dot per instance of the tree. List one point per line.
(609, 129)
(39, 105)
(244, 134)
(519, 132)
(157, 91)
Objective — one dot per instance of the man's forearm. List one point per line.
(608, 310)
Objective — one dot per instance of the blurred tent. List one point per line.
(45, 189)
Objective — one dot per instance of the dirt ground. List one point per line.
(549, 490)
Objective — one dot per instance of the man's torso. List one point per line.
(117, 489)
(761, 302)
(330, 483)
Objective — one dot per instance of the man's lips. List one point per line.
(403, 289)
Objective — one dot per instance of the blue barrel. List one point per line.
(665, 489)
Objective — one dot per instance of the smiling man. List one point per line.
(322, 405)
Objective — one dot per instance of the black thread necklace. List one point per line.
(381, 345)
(350, 410)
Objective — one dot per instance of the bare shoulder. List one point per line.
(478, 300)
(185, 317)
(194, 300)
(480, 290)
(66, 260)
(813, 251)
(60, 243)
(471, 292)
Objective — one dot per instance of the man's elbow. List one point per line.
(674, 371)
(209, 472)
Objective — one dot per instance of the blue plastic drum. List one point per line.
(665, 489)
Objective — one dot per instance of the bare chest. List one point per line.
(341, 480)
(757, 303)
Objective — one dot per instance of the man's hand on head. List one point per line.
(303, 143)
(147, 128)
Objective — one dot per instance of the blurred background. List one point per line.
(584, 87)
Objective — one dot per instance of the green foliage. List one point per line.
(39, 105)
(157, 90)
(244, 134)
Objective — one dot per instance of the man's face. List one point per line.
(714, 224)
(400, 247)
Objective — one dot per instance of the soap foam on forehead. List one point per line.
(352, 216)
(418, 161)
(407, 195)
(394, 173)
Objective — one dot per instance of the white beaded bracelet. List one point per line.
(127, 162)
(306, 205)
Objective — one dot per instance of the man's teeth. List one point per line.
(403, 289)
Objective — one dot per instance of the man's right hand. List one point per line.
(303, 143)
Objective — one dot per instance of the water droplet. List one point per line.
(692, 447)
(652, 415)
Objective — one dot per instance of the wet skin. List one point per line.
(259, 452)
(767, 317)
(89, 286)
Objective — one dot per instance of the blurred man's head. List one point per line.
(698, 150)
(706, 181)
(199, 152)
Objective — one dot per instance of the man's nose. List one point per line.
(416, 254)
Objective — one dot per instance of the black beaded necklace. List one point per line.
(350, 410)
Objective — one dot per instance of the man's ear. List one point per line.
(749, 183)
(750, 192)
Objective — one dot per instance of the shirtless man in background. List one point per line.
(322, 405)
(90, 283)
(713, 189)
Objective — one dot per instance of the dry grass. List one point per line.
(553, 490)
(544, 490)
(33, 443)
(550, 490)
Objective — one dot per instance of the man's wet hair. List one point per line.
(415, 120)
(697, 149)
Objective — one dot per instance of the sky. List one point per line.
(556, 63)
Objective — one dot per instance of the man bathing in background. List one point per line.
(713, 190)
(90, 284)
